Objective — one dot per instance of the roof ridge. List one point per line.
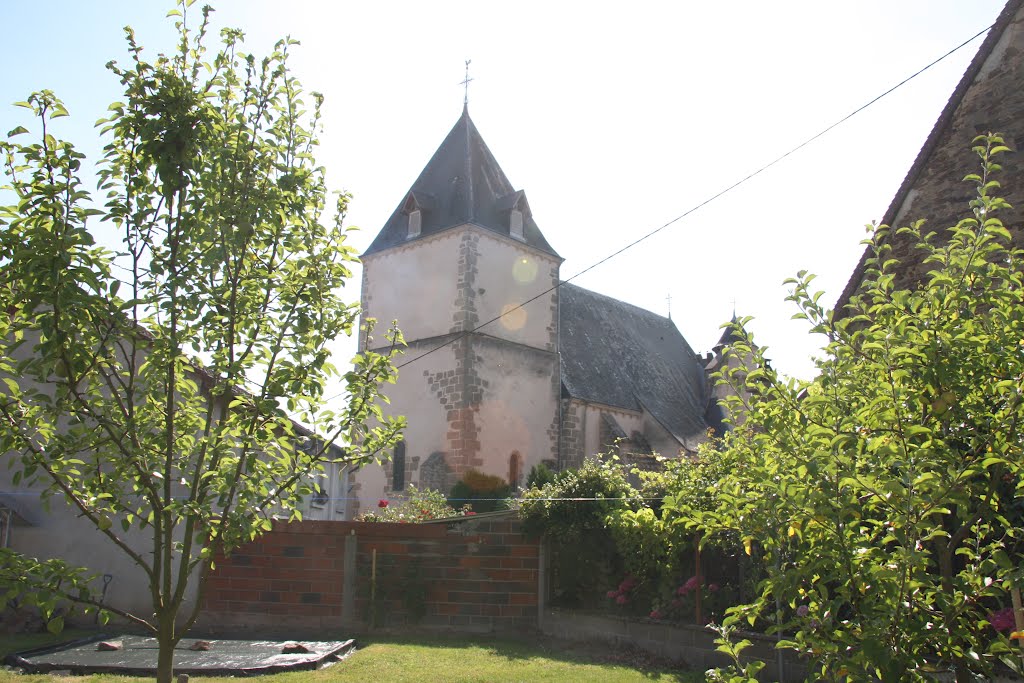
(641, 309)
(931, 143)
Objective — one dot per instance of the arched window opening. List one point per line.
(515, 468)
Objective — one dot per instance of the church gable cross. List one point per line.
(465, 99)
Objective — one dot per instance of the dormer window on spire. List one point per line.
(518, 211)
(415, 204)
(415, 223)
(515, 224)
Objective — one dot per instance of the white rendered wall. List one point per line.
(415, 285)
(509, 274)
(518, 409)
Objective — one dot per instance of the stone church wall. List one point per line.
(573, 412)
(410, 284)
(516, 406)
(507, 275)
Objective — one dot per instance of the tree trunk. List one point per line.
(165, 655)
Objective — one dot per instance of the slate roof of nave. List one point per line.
(627, 357)
(462, 183)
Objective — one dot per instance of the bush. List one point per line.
(481, 492)
(573, 509)
(418, 506)
(884, 495)
(540, 474)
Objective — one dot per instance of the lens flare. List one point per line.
(524, 269)
(513, 316)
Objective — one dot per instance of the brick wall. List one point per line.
(471, 575)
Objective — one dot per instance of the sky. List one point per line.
(615, 118)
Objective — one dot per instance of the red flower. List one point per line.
(382, 503)
(621, 600)
(470, 512)
(655, 614)
(1002, 620)
(612, 594)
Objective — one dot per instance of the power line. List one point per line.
(705, 202)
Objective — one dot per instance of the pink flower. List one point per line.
(470, 512)
(612, 594)
(655, 614)
(627, 584)
(1002, 620)
(382, 503)
(621, 600)
(693, 583)
(713, 587)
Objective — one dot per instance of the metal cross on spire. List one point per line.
(669, 300)
(465, 99)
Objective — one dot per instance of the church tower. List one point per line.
(452, 265)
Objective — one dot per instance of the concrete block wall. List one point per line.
(691, 645)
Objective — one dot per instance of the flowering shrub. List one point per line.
(1002, 620)
(621, 596)
(680, 605)
(418, 506)
(573, 509)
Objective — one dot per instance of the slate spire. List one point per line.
(462, 183)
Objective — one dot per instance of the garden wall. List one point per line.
(475, 574)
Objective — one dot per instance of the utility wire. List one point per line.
(702, 204)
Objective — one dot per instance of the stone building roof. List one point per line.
(627, 357)
(462, 183)
(989, 98)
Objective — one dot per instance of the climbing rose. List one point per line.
(382, 503)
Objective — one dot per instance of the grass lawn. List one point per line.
(381, 659)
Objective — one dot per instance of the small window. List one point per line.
(398, 467)
(415, 223)
(515, 468)
(515, 224)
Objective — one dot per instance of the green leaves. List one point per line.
(165, 411)
(889, 488)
